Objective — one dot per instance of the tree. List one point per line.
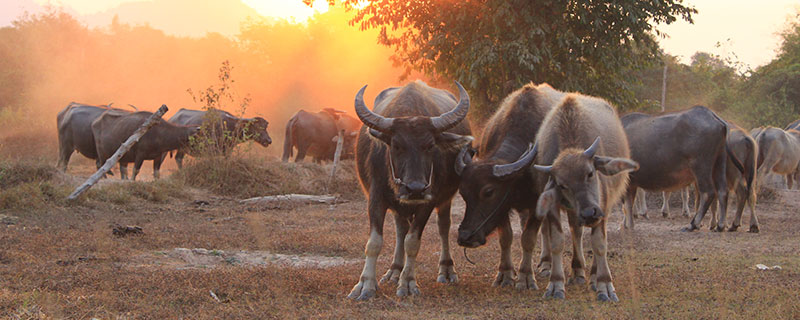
(494, 46)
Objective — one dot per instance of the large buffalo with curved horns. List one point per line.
(405, 158)
(498, 180)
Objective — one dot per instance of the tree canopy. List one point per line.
(494, 46)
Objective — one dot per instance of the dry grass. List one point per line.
(245, 177)
(63, 262)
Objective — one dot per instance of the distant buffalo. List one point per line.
(75, 131)
(244, 128)
(112, 129)
(316, 134)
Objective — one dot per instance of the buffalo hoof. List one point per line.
(504, 279)
(408, 288)
(718, 229)
(447, 274)
(665, 214)
(555, 291)
(393, 275)
(577, 281)
(526, 281)
(606, 293)
(364, 290)
(753, 229)
(690, 228)
(733, 228)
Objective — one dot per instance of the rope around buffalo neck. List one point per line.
(484, 222)
(400, 182)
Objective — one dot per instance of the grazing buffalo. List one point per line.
(675, 150)
(781, 154)
(405, 159)
(745, 149)
(75, 132)
(316, 134)
(584, 161)
(244, 128)
(112, 129)
(498, 180)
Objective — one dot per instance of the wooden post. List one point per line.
(151, 121)
(664, 88)
(336, 156)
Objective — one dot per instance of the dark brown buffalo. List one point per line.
(675, 150)
(498, 180)
(75, 132)
(405, 159)
(246, 128)
(112, 129)
(316, 134)
(584, 157)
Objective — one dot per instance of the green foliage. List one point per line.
(495, 46)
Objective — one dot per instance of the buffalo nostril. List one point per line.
(415, 187)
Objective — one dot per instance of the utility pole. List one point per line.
(664, 88)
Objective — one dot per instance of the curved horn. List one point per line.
(593, 148)
(544, 169)
(369, 118)
(462, 161)
(524, 161)
(451, 118)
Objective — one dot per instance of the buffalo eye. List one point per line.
(590, 175)
(488, 192)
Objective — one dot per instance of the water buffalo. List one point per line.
(405, 160)
(244, 128)
(112, 129)
(498, 180)
(584, 158)
(75, 132)
(675, 150)
(780, 151)
(317, 133)
(745, 149)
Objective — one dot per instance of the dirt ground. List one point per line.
(210, 257)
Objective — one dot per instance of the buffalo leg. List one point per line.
(367, 285)
(179, 158)
(408, 279)
(447, 270)
(157, 167)
(65, 150)
(401, 226)
(137, 165)
(302, 148)
(721, 184)
(530, 230)
(555, 289)
(705, 192)
(605, 288)
(627, 218)
(546, 257)
(751, 201)
(665, 204)
(741, 200)
(578, 261)
(685, 201)
(789, 181)
(505, 273)
(713, 210)
(123, 171)
(640, 206)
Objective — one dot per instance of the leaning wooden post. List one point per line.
(151, 121)
(336, 155)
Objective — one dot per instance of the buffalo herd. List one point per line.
(544, 152)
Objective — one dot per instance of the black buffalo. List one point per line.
(244, 128)
(74, 125)
(405, 158)
(316, 134)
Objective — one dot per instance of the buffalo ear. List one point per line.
(548, 204)
(611, 166)
(452, 141)
(383, 137)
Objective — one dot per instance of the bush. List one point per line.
(249, 177)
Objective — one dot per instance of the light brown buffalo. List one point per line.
(584, 155)
(781, 154)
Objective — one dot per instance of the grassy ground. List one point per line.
(60, 260)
